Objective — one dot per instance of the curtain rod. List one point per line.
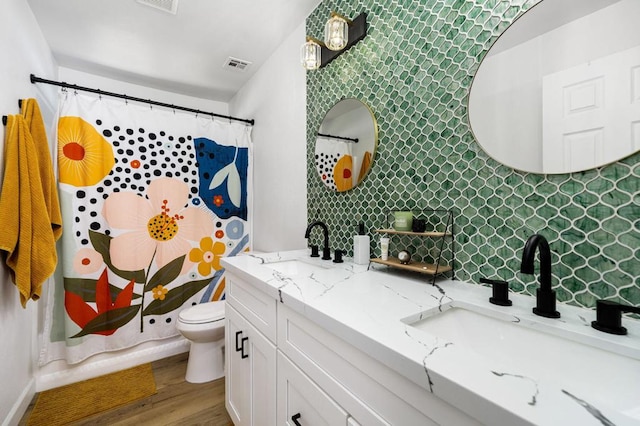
(35, 79)
(343, 138)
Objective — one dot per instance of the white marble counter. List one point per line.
(366, 308)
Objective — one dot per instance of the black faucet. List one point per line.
(326, 252)
(545, 296)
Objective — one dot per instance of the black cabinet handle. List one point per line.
(295, 418)
(238, 348)
(243, 355)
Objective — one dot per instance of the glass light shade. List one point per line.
(310, 55)
(336, 33)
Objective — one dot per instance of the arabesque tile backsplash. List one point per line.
(414, 70)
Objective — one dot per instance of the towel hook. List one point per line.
(4, 120)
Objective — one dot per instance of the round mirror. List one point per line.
(346, 144)
(559, 91)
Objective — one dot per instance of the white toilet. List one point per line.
(203, 325)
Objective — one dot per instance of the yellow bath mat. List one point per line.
(72, 402)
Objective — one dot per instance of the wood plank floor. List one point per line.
(176, 403)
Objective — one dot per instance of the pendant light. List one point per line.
(311, 54)
(336, 32)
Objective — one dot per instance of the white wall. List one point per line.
(276, 98)
(108, 85)
(24, 51)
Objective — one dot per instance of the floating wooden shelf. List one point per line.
(423, 268)
(417, 234)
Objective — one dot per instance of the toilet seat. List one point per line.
(203, 313)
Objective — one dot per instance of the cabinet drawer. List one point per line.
(370, 391)
(253, 304)
(300, 401)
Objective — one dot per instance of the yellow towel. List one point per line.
(33, 118)
(27, 236)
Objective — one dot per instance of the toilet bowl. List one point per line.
(203, 325)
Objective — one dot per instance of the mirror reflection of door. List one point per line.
(345, 145)
(546, 92)
(591, 113)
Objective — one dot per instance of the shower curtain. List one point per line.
(334, 163)
(151, 200)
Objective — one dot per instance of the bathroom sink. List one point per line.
(295, 267)
(535, 350)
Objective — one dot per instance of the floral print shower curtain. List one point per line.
(151, 200)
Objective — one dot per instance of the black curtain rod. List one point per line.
(343, 138)
(35, 79)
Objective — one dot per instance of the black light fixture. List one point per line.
(315, 54)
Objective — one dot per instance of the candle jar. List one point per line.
(402, 221)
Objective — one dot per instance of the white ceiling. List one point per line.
(182, 53)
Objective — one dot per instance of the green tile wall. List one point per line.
(414, 69)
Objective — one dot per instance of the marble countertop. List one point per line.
(370, 308)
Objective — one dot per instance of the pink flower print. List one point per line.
(157, 227)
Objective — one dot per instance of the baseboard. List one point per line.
(106, 363)
(21, 405)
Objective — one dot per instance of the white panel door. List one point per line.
(591, 113)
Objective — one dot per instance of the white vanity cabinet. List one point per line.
(250, 355)
(319, 378)
(368, 390)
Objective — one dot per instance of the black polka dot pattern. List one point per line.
(325, 164)
(141, 155)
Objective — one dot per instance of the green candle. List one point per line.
(403, 221)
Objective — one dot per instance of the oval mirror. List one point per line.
(346, 144)
(559, 91)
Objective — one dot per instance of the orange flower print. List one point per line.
(84, 156)
(207, 256)
(219, 233)
(218, 200)
(159, 292)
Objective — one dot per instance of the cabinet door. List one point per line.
(251, 373)
(302, 402)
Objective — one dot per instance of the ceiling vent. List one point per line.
(236, 64)
(170, 6)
